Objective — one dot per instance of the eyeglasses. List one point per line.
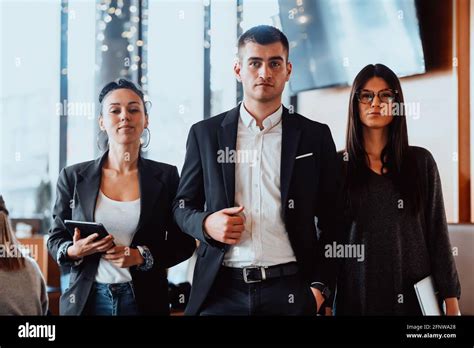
(386, 95)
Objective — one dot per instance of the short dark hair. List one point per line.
(122, 83)
(264, 35)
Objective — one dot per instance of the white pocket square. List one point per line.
(305, 155)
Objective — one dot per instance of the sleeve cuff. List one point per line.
(147, 256)
(323, 288)
(208, 237)
(62, 257)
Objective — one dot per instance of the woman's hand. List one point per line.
(452, 306)
(123, 256)
(87, 246)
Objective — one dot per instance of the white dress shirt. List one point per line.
(257, 187)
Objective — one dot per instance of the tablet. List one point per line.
(86, 228)
(427, 297)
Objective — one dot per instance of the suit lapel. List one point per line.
(88, 187)
(289, 145)
(150, 188)
(227, 138)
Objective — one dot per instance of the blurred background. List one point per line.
(56, 56)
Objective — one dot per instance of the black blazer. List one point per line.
(308, 187)
(77, 190)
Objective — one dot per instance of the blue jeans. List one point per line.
(111, 299)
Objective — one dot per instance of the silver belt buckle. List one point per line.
(262, 270)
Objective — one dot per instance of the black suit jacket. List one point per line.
(77, 190)
(308, 187)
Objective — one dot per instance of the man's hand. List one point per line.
(123, 256)
(319, 298)
(225, 226)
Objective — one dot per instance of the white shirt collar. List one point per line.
(268, 123)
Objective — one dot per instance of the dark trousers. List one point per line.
(287, 295)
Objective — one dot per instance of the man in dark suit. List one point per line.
(253, 181)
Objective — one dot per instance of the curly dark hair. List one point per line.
(122, 83)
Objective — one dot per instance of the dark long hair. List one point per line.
(397, 159)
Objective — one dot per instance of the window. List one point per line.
(175, 76)
(175, 84)
(223, 52)
(81, 68)
(29, 101)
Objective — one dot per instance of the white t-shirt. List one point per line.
(120, 219)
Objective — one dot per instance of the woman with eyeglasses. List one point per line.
(124, 273)
(394, 208)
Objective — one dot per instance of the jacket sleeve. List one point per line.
(62, 210)
(441, 256)
(179, 246)
(327, 207)
(188, 206)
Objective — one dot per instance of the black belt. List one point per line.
(254, 274)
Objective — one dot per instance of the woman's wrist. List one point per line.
(139, 260)
(71, 254)
(452, 306)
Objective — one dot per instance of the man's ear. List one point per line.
(237, 69)
(289, 68)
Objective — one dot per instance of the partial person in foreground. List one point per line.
(22, 286)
